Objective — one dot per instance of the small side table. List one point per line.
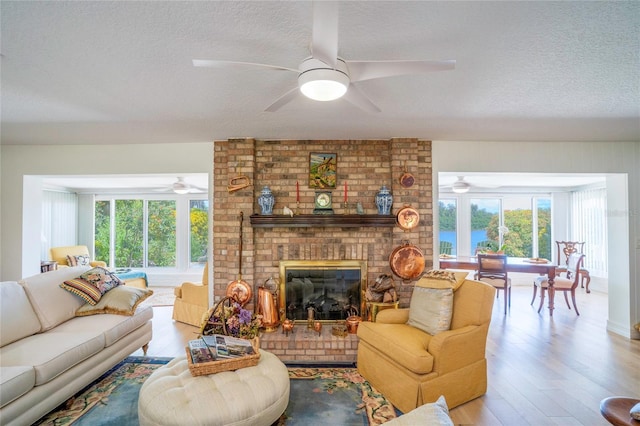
(375, 307)
(616, 409)
(48, 265)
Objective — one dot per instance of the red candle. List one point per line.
(297, 192)
(345, 191)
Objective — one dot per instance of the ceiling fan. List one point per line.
(460, 186)
(324, 76)
(182, 187)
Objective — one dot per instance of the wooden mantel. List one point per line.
(315, 220)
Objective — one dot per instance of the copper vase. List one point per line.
(267, 308)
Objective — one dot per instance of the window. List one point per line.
(199, 231)
(160, 232)
(520, 225)
(542, 222)
(589, 224)
(448, 216)
(484, 221)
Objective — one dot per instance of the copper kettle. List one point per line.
(267, 308)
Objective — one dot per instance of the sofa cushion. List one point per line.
(404, 344)
(122, 300)
(92, 284)
(52, 304)
(436, 413)
(431, 306)
(52, 353)
(114, 327)
(15, 382)
(17, 318)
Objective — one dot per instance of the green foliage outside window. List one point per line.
(480, 218)
(161, 244)
(129, 234)
(102, 234)
(447, 215)
(199, 223)
(518, 241)
(162, 233)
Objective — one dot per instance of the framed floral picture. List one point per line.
(322, 170)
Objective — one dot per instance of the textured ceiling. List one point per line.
(120, 72)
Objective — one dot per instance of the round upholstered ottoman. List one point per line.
(255, 395)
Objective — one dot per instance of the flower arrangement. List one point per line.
(502, 230)
(232, 320)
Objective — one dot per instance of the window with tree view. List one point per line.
(147, 233)
(519, 226)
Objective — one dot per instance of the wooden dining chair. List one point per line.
(492, 269)
(565, 249)
(566, 284)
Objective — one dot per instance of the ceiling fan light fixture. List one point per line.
(181, 187)
(460, 187)
(323, 84)
(319, 82)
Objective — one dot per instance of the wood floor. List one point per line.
(542, 370)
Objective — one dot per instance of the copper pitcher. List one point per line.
(267, 308)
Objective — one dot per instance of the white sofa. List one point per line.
(47, 354)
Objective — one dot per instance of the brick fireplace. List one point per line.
(366, 165)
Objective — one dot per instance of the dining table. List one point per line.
(514, 264)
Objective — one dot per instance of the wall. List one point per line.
(462, 156)
(21, 166)
(365, 164)
(621, 159)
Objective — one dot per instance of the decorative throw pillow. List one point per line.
(456, 278)
(436, 413)
(431, 306)
(78, 260)
(122, 300)
(92, 284)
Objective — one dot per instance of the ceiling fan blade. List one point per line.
(324, 38)
(356, 97)
(368, 70)
(283, 100)
(209, 63)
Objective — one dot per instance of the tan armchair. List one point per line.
(59, 254)
(192, 300)
(411, 367)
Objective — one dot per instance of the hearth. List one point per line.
(328, 290)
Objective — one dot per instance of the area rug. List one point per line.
(110, 400)
(162, 296)
(334, 396)
(319, 396)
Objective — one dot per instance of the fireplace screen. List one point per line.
(331, 289)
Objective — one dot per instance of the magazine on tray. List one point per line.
(200, 351)
(228, 347)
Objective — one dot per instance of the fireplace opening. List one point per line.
(332, 289)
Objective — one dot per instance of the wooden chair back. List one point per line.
(566, 249)
(492, 266)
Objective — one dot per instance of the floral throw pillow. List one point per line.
(78, 260)
(92, 284)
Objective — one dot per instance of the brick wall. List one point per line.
(365, 164)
